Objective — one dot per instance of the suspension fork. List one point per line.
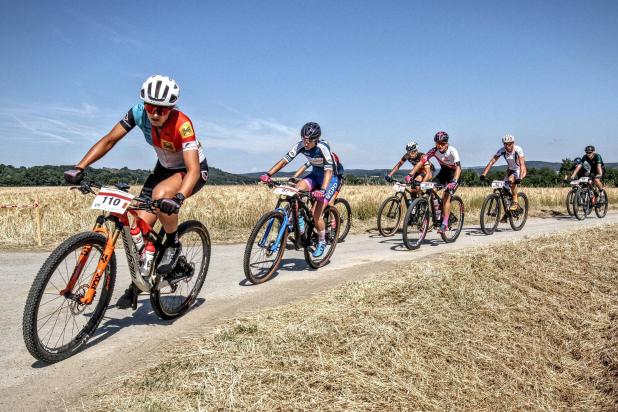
(82, 259)
(106, 256)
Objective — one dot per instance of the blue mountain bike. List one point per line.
(292, 214)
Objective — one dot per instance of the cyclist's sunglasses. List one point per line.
(161, 111)
(508, 144)
(589, 152)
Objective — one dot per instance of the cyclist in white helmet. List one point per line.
(516, 169)
(181, 169)
(412, 155)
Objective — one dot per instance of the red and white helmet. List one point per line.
(160, 90)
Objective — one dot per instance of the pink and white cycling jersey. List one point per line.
(450, 157)
(512, 159)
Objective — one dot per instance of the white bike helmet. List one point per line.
(508, 138)
(160, 91)
(411, 146)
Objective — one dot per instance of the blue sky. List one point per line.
(373, 74)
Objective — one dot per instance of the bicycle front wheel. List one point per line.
(263, 252)
(416, 223)
(581, 200)
(345, 217)
(173, 300)
(490, 214)
(56, 324)
(517, 218)
(389, 216)
(600, 208)
(331, 222)
(569, 202)
(455, 220)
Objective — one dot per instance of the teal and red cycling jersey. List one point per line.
(169, 141)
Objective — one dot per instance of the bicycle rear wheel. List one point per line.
(490, 214)
(55, 325)
(517, 219)
(331, 221)
(174, 300)
(600, 209)
(389, 216)
(345, 217)
(416, 223)
(263, 253)
(455, 220)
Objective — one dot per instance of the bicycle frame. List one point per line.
(121, 228)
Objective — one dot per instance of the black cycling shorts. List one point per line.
(161, 173)
(445, 175)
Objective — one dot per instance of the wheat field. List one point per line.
(229, 212)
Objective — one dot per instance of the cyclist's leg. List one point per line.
(511, 176)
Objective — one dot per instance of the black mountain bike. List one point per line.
(392, 209)
(267, 241)
(587, 197)
(497, 205)
(422, 213)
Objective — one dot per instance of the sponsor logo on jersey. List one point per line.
(186, 130)
(167, 145)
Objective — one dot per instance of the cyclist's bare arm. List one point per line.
(396, 168)
(328, 174)
(577, 169)
(489, 165)
(192, 163)
(523, 168)
(457, 172)
(427, 176)
(300, 171)
(103, 146)
(278, 166)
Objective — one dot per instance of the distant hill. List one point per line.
(53, 176)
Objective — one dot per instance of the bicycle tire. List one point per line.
(580, 199)
(600, 209)
(392, 204)
(569, 202)
(332, 234)
(30, 324)
(345, 218)
(451, 235)
(417, 216)
(517, 225)
(490, 208)
(169, 305)
(269, 270)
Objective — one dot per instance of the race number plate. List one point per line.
(285, 191)
(112, 200)
(399, 187)
(574, 182)
(497, 184)
(584, 179)
(427, 185)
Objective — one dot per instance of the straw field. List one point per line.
(228, 211)
(528, 327)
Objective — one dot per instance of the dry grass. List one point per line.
(228, 211)
(528, 327)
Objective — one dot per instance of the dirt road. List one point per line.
(127, 340)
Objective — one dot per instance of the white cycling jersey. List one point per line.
(512, 158)
(450, 157)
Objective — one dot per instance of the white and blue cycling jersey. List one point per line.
(320, 157)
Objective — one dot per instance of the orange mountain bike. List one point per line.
(73, 288)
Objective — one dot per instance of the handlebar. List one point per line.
(138, 203)
(272, 184)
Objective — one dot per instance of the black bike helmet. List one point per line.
(441, 137)
(311, 130)
(589, 149)
(577, 161)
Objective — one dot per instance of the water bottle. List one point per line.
(301, 224)
(436, 207)
(149, 253)
(138, 239)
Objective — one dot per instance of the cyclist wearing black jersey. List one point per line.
(412, 155)
(597, 167)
